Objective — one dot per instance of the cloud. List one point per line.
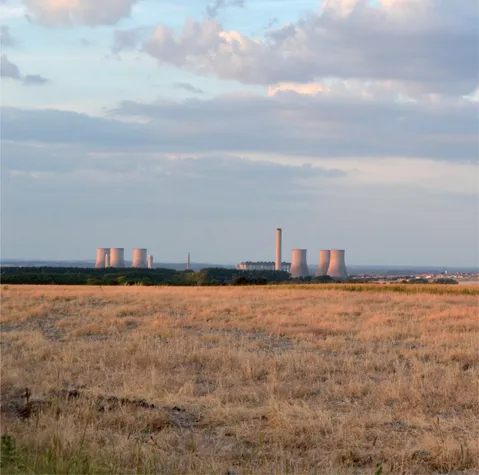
(320, 126)
(85, 42)
(188, 87)
(61, 13)
(213, 9)
(6, 39)
(34, 80)
(11, 12)
(233, 205)
(8, 69)
(129, 39)
(12, 71)
(430, 46)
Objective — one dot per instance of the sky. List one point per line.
(202, 126)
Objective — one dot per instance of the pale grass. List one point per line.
(276, 380)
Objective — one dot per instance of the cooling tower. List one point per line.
(101, 254)
(277, 264)
(107, 259)
(117, 257)
(150, 262)
(337, 265)
(139, 258)
(323, 266)
(299, 265)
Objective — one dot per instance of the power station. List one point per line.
(331, 261)
(115, 257)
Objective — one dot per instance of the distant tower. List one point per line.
(188, 263)
(101, 254)
(140, 258)
(277, 264)
(150, 262)
(107, 259)
(117, 257)
(299, 265)
(337, 264)
(323, 266)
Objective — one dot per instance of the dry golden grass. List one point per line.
(251, 380)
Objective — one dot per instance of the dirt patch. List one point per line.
(18, 403)
(47, 327)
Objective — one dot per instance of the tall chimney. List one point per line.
(337, 264)
(139, 258)
(117, 257)
(188, 263)
(323, 266)
(277, 265)
(107, 259)
(299, 265)
(101, 254)
(150, 262)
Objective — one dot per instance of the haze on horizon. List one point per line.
(195, 126)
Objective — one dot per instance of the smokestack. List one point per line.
(337, 264)
(323, 266)
(139, 258)
(188, 263)
(117, 257)
(277, 265)
(101, 254)
(107, 259)
(150, 262)
(299, 265)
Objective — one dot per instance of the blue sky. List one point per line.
(203, 126)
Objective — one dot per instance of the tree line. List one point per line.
(130, 276)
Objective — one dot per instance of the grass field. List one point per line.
(317, 379)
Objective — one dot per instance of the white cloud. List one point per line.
(9, 69)
(428, 46)
(332, 124)
(9, 12)
(6, 38)
(12, 71)
(82, 12)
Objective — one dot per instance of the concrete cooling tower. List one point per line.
(117, 257)
(277, 264)
(150, 262)
(101, 254)
(337, 265)
(323, 266)
(140, 258)
(299, 265)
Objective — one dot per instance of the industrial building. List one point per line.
(102, 257)
(337, 264)
(279, 237)
(115, 257)
(331, 262)
(140, 259)
(299, 264)
(323, 266)
(263, 265)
